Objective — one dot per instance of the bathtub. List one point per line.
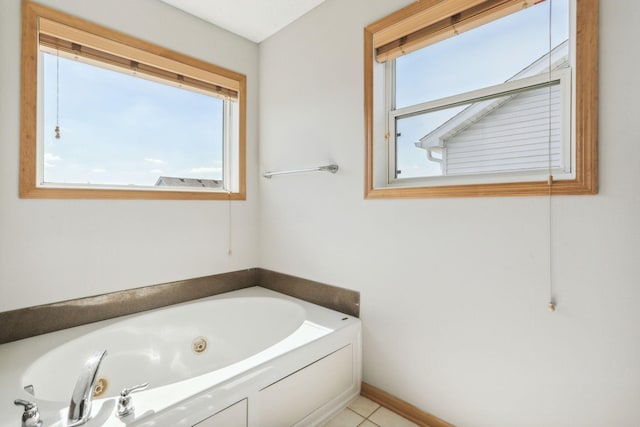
(252, 357)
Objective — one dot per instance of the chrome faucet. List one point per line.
(80, 406)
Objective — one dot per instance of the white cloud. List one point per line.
(50, 159)
(155, 171)
(98, 170)
(154, 161)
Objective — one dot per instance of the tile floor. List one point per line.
(363, 412)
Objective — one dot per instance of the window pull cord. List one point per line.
(229, 226)
(57, 130)
(552, 303)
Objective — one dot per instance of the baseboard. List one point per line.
(401, 407)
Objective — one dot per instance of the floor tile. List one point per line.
(385, 418)
(368, 423)
(363, 406)
(346, 418)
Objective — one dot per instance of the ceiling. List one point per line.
(253, 19)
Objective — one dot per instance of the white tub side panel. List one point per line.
(296, 396)
(233, 416)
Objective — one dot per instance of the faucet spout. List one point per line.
(80, 406)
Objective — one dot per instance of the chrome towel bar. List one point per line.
(327, 168)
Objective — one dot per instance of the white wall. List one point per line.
(53, 250)
(454, 292)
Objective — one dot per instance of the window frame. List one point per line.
(406, 21)
(212, 75)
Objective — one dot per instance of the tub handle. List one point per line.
(125, 402)
(30, 416)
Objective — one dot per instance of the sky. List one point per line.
(471, 60)
(118, 129)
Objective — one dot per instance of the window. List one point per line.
(105, 115)
(482, 98)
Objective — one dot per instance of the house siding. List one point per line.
(514, 136)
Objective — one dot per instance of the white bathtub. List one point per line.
(254, 339)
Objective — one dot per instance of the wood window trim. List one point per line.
(586, 114)
(189, 66)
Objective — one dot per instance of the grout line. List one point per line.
(370, 415)
(360, 415)
(364, 421)
(376, 410)
(364, 416)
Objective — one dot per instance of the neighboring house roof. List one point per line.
(168, 181)
(559, 57)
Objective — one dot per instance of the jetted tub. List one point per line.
(250, 358)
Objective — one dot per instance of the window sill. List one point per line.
(559, 188)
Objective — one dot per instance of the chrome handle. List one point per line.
(125, 403)
(27, 405)
(127, 391)
(30, 416)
